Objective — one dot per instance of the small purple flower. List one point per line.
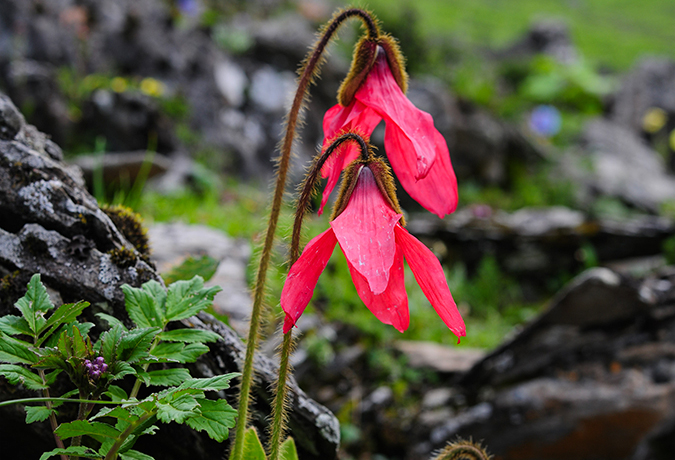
(545, 120)
(188, 7)
(95, 368)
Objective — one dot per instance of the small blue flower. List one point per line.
(545, 120)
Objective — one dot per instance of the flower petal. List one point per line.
(437, 191)
(356, 117)
(303, 276)
(429, 275)
(365, 231)
(381, 92)
(391, 306)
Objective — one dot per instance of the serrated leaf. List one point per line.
(117, 412)
(79, 345)
(116, 394)
(38, 413)
(50, 378)
(120, 369)
(177, 409)
(145, 306)
(111, 320)
(15, 351)
(135, 344)
(216, 418)
(287, 450)
(50, 358)
(135, 455)
(34, 304)
(108, 343)
(66, 313)
(204, 266)
(165, 377)
(189, 336)
(253, 448)
(217, 383)
(96, 430)
(187, 298)
(14, 325)
(65, 395)
(178, 352)
(79, 451)
(18, 375)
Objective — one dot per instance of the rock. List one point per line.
(117, 168)
(50, 224)
(549, 37)
(173, 243)
(12, 120)
(231, 81)
(439, 358)
(534, 243)
(623, 166)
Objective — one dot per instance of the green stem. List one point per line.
(310, 68)
(50, 399)
(52, 418)
(280, 405)
(112, 453)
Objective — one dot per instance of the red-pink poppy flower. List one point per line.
(375, 245)
(416, 150)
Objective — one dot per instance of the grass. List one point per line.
(611, 33)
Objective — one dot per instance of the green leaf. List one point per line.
(65, 395)
(108, 343)
(216, 418)
(96, 430)
(253, 448)
(135, 344)
(135, 455)
(177, 409)
(66, 313)
(165, 377)
(116, 394)
(14, 325)
(145, 306)
(287, 451)
(15, 351)
(38, 413)
(79, 345)
(179, 352)
(79, 451)
(18, 375)
(120, 369)
(189, 336)
(34, 304)
(111, 320)
(217, 383)
(187, 298)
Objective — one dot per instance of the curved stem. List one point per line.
(280, 406)
(48, 399)
(309, 69)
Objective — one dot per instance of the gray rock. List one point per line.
(231, 81)
(439, 358)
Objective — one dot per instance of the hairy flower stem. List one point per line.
(280, 405)
(52, 418)
(309, 71)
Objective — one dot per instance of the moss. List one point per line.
(123, 257)
(131, 225)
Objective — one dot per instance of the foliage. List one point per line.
(36, 347)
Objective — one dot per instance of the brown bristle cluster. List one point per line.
(131, 226)
(463, 450)
(383, 179)
(395, 60)
(123, 257)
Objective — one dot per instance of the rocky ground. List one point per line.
(592, 377)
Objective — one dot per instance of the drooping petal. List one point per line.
(429, 275)
(391, 306)
(437, 191)
(356, 117)
(365, 232)
(381, 93)
(303, 276)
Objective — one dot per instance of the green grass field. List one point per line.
(608, 32)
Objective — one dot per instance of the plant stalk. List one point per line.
(309, 70)
(52, 418)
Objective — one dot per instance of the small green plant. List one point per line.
(36, 347)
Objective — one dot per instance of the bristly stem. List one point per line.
(308, 73)
(52, 418)
(280, 406)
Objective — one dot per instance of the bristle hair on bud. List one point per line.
(395, 59)
(363, 59)
(463, 450)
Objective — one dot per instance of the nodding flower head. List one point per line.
(95, 368)
(367, 225)
(374, 91)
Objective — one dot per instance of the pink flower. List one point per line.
(375, 244)
(416, 150)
